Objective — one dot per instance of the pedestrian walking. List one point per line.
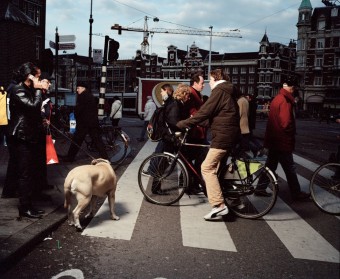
(280, 139)
(116, 111)
(149, 109)
(87, 123)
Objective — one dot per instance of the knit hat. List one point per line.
(81, 84)
(290, 81)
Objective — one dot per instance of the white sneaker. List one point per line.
(216, 211)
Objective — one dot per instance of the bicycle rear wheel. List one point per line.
(325, 188)
(245, 199)
(116, 144)
(161, 180)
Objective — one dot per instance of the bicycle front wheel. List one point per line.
(116, 145)
(162, 179)
(325, 188)
(254, 197)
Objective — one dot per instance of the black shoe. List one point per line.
(31, 213)
(302, 196)
(262, 193)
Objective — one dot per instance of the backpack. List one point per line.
(156, 126)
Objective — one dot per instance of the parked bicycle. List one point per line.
(116, 142)
(325, 188)
(60, 123)
(164, 177)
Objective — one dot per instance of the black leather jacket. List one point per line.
(25, 107)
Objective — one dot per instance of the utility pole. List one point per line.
(90, 51)
(56, 68)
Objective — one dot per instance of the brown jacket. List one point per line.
(221, 110)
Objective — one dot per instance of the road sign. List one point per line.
(67, 38)
(52, 44)
(67, 46)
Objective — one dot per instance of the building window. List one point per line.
(235, 70)
(242, 89)
(321, 24)
(251, 79)
(317, 80)
(228, 70)
(336, 81)
(261, 77)
(276, 77)
(243, 80)
(269, 63)
(334, 11)
(318, 61)
(263, 49)
(262, 63)
(32, 11)
(172, 55)
(234, 80)
(250, 90)
(243, 70)
(252, 69)
(337, 62)
(277, 63)
(320, 43)
(268, 78)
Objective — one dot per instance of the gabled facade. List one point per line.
(276, 61)
(318, 56)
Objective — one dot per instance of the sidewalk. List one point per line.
(18, 237)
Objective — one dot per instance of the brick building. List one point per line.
(22, 29)
(318, 56)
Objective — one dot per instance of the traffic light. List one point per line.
(113, 50)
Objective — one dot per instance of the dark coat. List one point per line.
(280, 132)
(172, 114)
(86, 112)
(221, 110)
(26, 122)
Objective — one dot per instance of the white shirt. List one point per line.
(149, 109)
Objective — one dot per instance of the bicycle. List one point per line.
(163, 179)
(325, 188)
(116, 142)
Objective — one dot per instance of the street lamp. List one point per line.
(90, 49)
(209, 65)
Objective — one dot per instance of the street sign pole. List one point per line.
(56, 69)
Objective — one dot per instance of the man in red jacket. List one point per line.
(280, 138)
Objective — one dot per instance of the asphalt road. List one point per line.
(295, 240)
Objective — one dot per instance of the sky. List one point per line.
(251, 17)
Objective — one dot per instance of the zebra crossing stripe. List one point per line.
(297, 235)
(198, 233)
(128, 203)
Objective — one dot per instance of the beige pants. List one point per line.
(209, 170)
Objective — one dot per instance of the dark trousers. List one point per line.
(288, 165)
(27, 166)
(145, 125)
(115, 122)
(78, 140)
(10, 186)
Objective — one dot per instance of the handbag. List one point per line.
(51, 154)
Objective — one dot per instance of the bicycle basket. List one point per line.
(233, 174)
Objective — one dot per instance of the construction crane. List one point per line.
(145, 43)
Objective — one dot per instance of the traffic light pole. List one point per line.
(102, 89)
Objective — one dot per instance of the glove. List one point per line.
(181, 124)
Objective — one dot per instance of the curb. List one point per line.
(20, 244)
